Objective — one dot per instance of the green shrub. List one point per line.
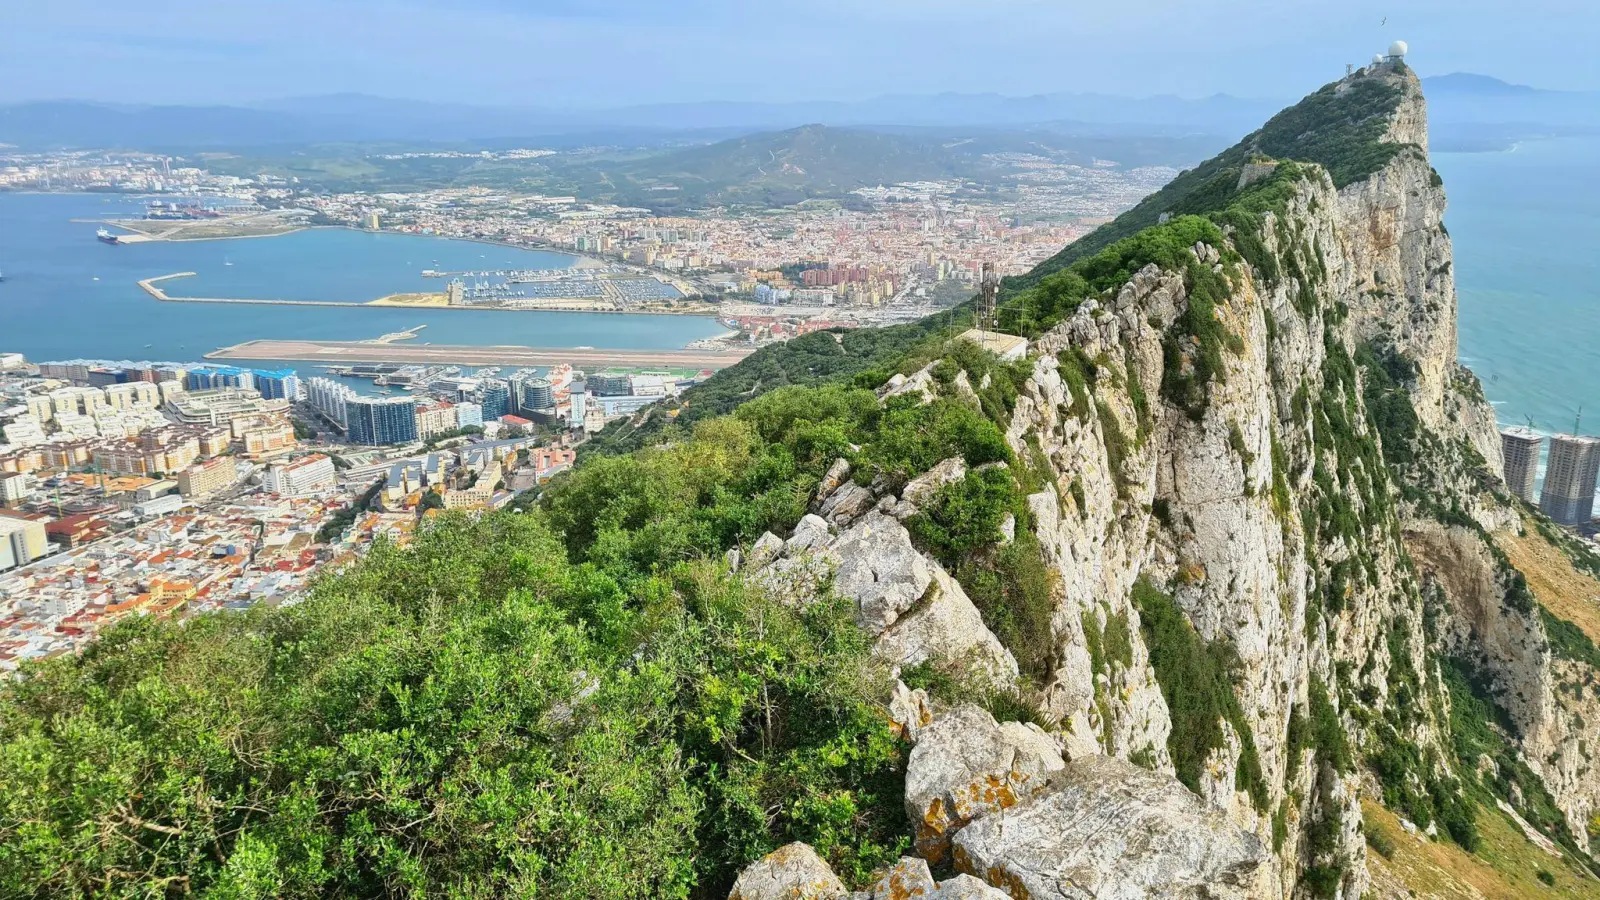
(964, 516)
(1195, 681)
(1015, 595)
(446, 719)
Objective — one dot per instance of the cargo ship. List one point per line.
(105, 237)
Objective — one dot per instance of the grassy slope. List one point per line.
(1505, 866)
(1565, 591)
(1337, 130)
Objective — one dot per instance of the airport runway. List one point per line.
(349, 352)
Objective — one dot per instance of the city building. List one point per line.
(264, 435)
(579, 406)
(306, 475)
(610, 384)
(277, 384)
(15, 487)
(329, 397)
(206, 478)
(156, 450)
(435, 418)
(1569, 479)
(160, 506)
(496, 398)
(219, 406)
(468, 415)
(534, 395)
(206, 378)
(1520, 447)
(22, 540)
(377, 421)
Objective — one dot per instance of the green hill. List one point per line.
(1337, 127)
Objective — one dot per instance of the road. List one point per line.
(349, 352)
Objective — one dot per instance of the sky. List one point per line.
(600, 53)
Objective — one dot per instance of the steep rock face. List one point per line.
(1268, 512)
(1268, 489)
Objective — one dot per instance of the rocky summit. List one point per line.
(1266, 498)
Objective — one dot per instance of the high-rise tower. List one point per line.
(1520, 446)
(1569, 479)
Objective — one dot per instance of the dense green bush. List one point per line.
(965, 515)
(1195, 678)
(446, 720)
(1014, 590)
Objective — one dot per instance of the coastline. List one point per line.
(149, 286)
(580, 260)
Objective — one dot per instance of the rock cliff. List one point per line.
(1264, 491)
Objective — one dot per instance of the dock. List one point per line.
(149, 285)
(347, 352)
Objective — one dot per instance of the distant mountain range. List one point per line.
(1463, 106)
(353, 117)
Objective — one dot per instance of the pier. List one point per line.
(347, 352)
(149, 287)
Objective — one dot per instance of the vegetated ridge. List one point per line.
(1150, 611)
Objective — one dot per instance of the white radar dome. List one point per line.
(1398, 48)
(1377, 58)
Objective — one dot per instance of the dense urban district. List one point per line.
(132, 489)
(871, 254)
(146, 488)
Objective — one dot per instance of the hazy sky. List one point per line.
(617, 52)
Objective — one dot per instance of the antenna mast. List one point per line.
(988, 292)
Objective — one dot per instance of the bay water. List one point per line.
(67, 295)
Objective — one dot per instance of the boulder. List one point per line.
(921, 489)
(847, 503)
(792, 872)
(909, 879)
(766, 549)
(961, 385)
(837, 474)
(945, 624)
(966, 766)
(1105, 829)
(921, 384)
(879, 570)
(910, 711)
(811, 533)
(965, 887)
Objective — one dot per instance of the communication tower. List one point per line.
(988, 292)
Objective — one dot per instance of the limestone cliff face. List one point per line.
(1334, 548)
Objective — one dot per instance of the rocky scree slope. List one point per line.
(1257, 492)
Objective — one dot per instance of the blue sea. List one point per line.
(67, 295)
(1526, 228)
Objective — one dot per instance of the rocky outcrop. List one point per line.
(905, 599)
(910, 879)
(966, 766)
(792, 872)
(1109, 830)
(1326, 553)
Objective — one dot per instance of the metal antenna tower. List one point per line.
(988, 293)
